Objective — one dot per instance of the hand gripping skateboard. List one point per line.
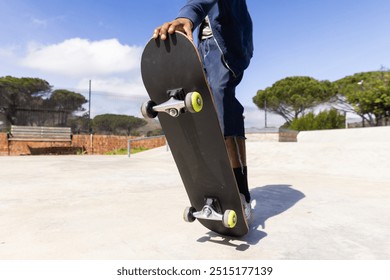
(180, 96)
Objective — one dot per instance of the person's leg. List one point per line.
(237, 155)
(230, 111)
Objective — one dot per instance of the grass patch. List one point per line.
(124, 151)
(137, 150)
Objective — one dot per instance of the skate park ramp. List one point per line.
(325, 197)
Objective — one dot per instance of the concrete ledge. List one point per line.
(271, 134)
(368, 134)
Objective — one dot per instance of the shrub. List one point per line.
(331, 119)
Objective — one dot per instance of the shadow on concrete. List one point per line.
(271, 200)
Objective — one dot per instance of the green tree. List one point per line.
(20, 96)
(366, 94)
(155, 132)
(331, 119)
(292, 97)
(65, 103)
(116, 124)
(30, 101)
(63, 99)
(80, 124)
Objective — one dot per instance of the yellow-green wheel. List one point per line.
(230, 218)
(194, 102)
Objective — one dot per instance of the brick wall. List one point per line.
(17, 148)
(101, 144)
(86, 144)
(3, 144)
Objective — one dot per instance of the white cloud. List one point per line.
(114, 69)
(9, 57)
(8, 52)
(39, 22)
(116, 86)
(83, 58)
(115, 95)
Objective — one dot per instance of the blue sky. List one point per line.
(69, 42)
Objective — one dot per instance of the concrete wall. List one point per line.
(273, 135)
(355, 135)
(86, 144)
(263, 137)
(352, 135)
(288, 136)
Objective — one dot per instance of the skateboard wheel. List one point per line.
(229, 219)
(194, 102)
(188, 214)
(147, 110)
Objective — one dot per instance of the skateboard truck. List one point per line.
(211, 211)
(177, 103)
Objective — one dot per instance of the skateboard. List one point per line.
(180, 97)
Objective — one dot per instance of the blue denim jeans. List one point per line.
(223, 85)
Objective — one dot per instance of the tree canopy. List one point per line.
(292, 97)
(17, 95)
(116, 124)
(31, 101)
(366, 94)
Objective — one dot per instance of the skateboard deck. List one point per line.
(180, 96)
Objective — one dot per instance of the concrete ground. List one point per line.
(325, 197)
